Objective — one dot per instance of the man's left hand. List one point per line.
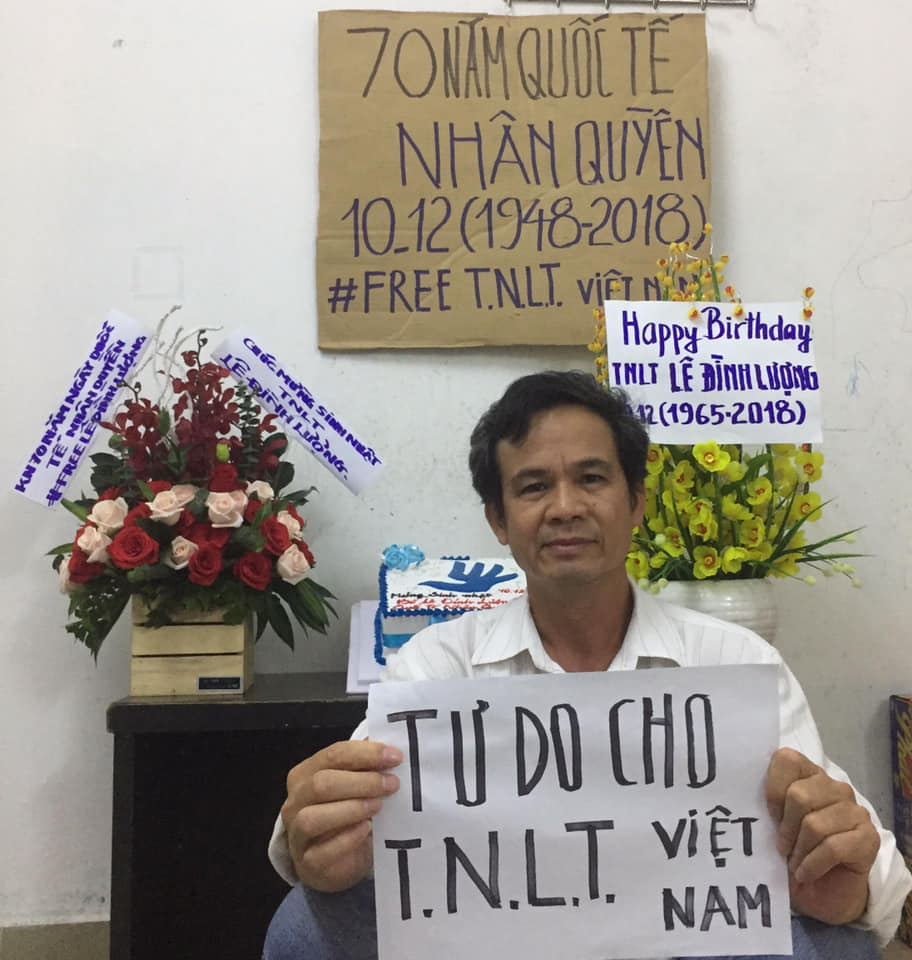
(826, 836)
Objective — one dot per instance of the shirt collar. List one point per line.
(652, 639)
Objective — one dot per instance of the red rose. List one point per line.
(277, 537)
(205, 564)
(159, 486)
(252, 509)
(254, 569)
(80, 570)
(141, 510)
(112, 493)
(203, 532)
(185, 522)
(302, 546)
(224, 479)
(132, 547)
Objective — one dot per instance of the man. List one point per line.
(559, 464)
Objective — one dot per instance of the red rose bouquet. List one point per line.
(189, 515)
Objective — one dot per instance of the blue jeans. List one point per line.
(343, 926)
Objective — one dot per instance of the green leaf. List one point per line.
(321, 590)
(158, 531)
(62, 549)
(283, 475)
(299, 496)
(79, 512)
(313, 605)
(149, 571)
(754, 466)
(164, 422)
(279, 621)
(261, 514)
(248, 539)
(105, 460)
(235, 614)
(177, 460)
(145, 490)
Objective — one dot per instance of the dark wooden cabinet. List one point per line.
(197, 786)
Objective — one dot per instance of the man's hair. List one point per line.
(509, 419)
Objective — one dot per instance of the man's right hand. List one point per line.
(327, 814)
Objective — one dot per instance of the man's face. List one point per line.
(568, 515)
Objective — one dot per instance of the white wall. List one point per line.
(166, 152)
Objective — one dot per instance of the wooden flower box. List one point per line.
(198, 655)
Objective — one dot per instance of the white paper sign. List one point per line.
(593, 816)
(313, 424)
(747, 379)
(70, 428)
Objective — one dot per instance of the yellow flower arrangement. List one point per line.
(725, 511)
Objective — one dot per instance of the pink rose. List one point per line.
(226, 509)
(182, 550)
(293, 566)
(108, 515)
(292, 520)
(261, 490)
(168, 505)
(94, 543)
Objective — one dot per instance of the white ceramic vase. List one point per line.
(750, 603)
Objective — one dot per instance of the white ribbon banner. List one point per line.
(313, 424)
(733, 379)
(70, 427)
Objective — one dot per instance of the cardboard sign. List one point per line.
(483, 178)
(598, 815)
(318, 427)
(70, 428)
(737, 379)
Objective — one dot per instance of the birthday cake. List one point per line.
(416, 591)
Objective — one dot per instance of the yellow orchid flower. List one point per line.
(786, 565)
(637, 564)
(760, 492)
(732, 509)
(683, 476)
(809, 465)
(706, 562)
(732, 559)
(673, 543)
(699, 502)
(761, 553)
(807, 506)
(710, 456)
(752, 532)
(784, 449)
(703, 525)
(735, 471)
(655, 459)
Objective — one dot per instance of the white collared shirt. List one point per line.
(504, 642)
